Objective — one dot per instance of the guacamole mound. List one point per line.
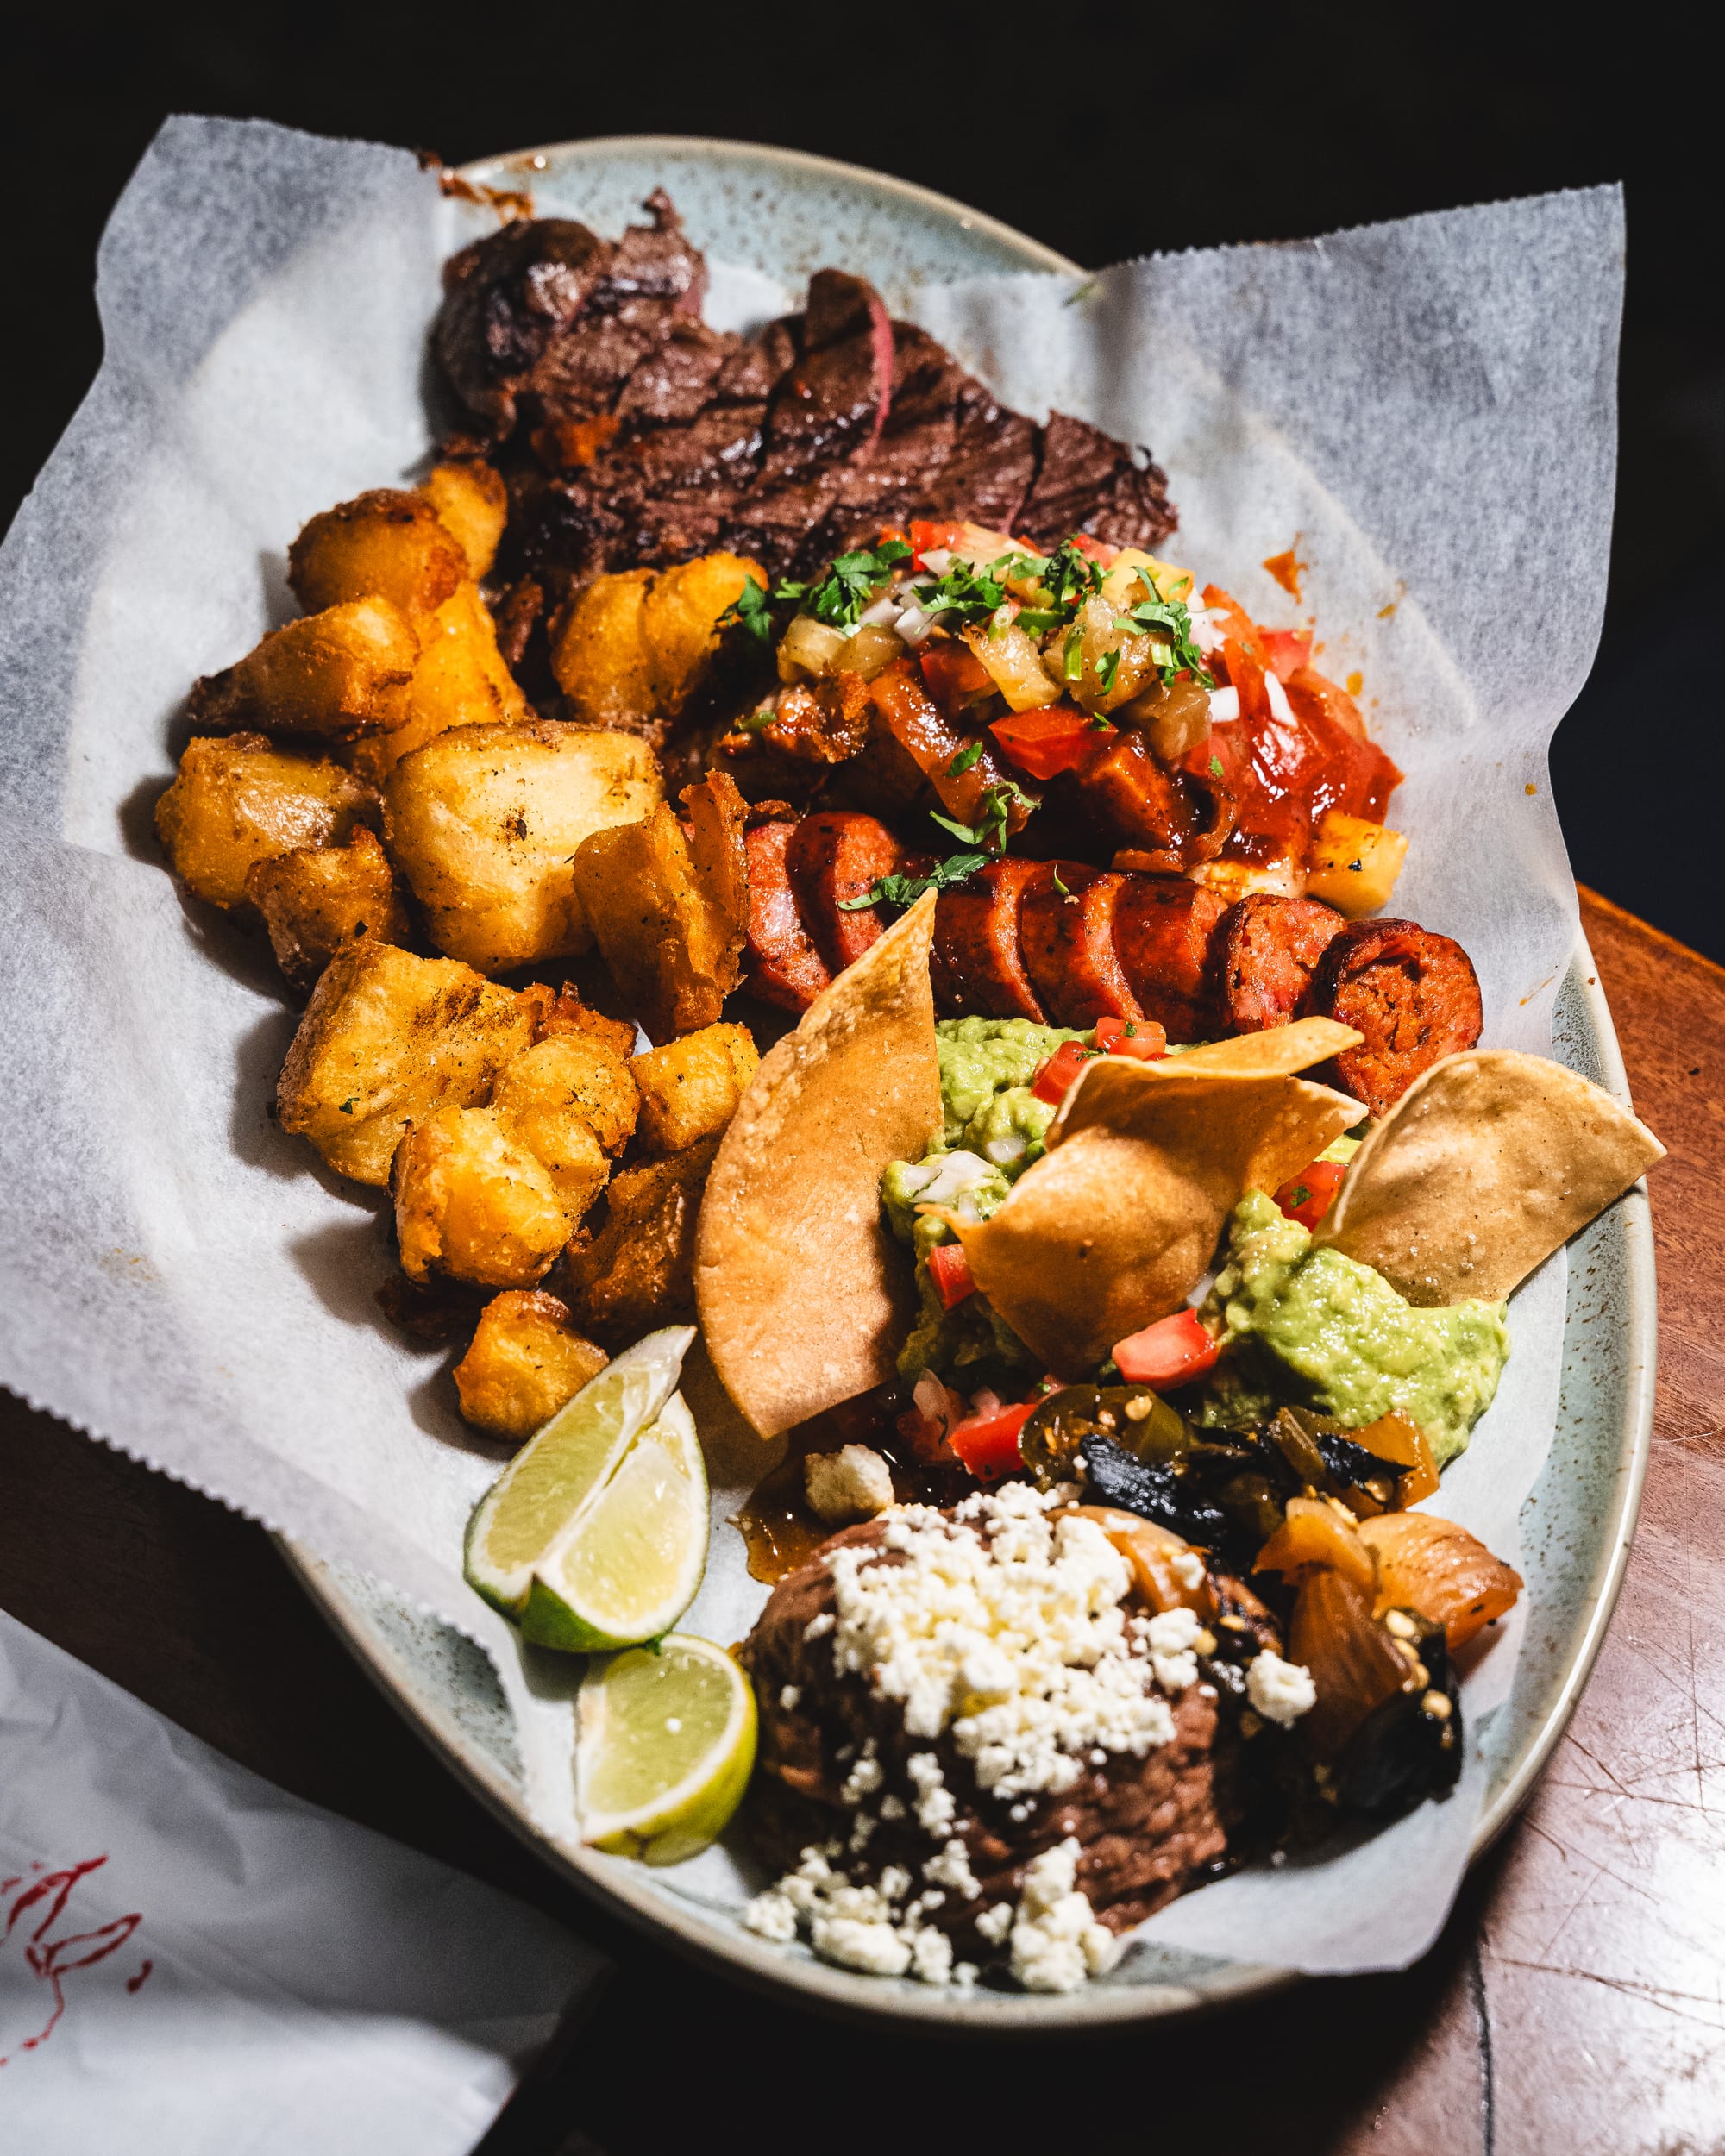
(993, 1130)
(1319, 1330)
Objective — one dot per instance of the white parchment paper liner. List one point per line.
(1425, 409)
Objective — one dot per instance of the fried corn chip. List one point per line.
(1278, 1048)
(1487, 1164)
(1119, 1223)
(804, 1297)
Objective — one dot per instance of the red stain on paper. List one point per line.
(34, 1913)
(1287, 569)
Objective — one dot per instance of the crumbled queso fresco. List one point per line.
(1005, 1625)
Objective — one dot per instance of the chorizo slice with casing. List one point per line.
(1068, 941)
(977, 963)
(1165, 939)
(836, 854)
(1412, 993)
(1269, 946)
(781, 963)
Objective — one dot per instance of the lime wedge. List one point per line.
(559, 1473)
(628, 1566)
(665, 1744)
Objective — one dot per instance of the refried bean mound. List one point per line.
(1147, 1827)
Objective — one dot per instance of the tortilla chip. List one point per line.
(1488, 1164)
(805, 1298)
(1120, 1222)
(1278, 1048)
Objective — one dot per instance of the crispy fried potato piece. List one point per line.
(525, 1363)
(565, 1012)
(639, 1270)
(386, 1038)
(473, 506)
(690, 1087)
(632, 647)
(459, 678)
(540, 1100)
(241, 800)
(333, 672)
(670, 916)
(472, 1204)
(386, 544)
(318, 897)
(580, 1071)
(483, 822)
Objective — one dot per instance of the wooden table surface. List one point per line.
(1574, 2006)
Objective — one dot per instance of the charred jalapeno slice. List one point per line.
(1131, 1418)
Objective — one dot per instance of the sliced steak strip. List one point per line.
(977, 963)
(1086, 481)
(1068, 942)
(1269, 947)
(781, 963)
(1165, 938)
(1412, 993)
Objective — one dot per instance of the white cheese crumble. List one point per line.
(858, 1927)
(790, 1696)
(853, 1483)
(1280, 1691)
(1055, 1940)
(1175, 1639)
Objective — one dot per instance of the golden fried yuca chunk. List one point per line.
(639, 1270)
(315, 899)
(540, 1099)
(459, 678)
(471, 1203)
(387, 1038)
(241, 800)
(690, 1087)
(669, 913)
(332, 673)
(565, 1012)
(525, 1361)
(473, 506)
(580, 1073)
(635, 646)
(483, 822)
(386, 544)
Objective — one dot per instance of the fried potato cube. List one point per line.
(473, 506)
(240, 800)
(459, 678)
(525, 1363)
(634, 646)
(386, 544)
(690, 1087)
(540, 1099)
(387, 1039)
(483, 821)
(639, 1270)
(1354, 863)
(670, 912)
(471, 1204)
(333, 673)
(573, 1074)
(565, 1012)
(318, 897)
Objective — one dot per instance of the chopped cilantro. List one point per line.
(965, 758)
(990, 828)
(751, 609)
(1107, 667)
(1073, 665)
(849, 585)
(1299, 1196)
(1216, 770)
(1170, 621)
(1060, 887)
(905, 890)
(756, 721)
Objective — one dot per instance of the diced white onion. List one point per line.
(1280, 709)
(939, 560)
(913, 625)
(1225, 705)
(985, 1402)
(917, 1179)
(1002, 1150)
(930, 1398)
(883, 614)
(955, 1174)
(1205, 633)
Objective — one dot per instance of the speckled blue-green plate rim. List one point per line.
(788, 213)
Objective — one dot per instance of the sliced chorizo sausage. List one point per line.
(977, 965)
(1067, 940)
(836, 854)
(1413, 995)
(1269, 946)
(1165, 939)
(781, 963)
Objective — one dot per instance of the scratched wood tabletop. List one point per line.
(1574, 2006)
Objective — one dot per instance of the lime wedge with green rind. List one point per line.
(629, 1563)
(542, 1492)
(666, 1740)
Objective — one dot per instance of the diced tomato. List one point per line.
(1095, 549)
(1056, 1076)
(931, 538)
(950, 1270)
(953, 676)
(1234, 622)
(894, 532)
(1286, 650)
(1168, 1353)
(988, 1445)
(1044, 743)
(1244, 672)
(1142, 1038)
(1309, 1196)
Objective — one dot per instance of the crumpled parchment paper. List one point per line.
(1425, 410)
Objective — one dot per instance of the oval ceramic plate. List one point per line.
(788, 214)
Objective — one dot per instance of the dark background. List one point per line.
(1105, 131)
